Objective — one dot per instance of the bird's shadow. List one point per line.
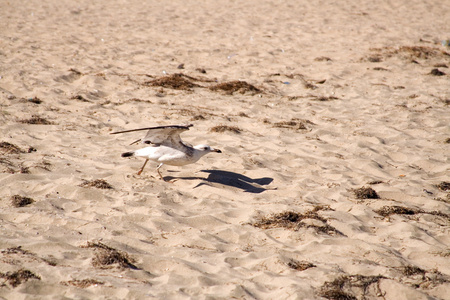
(225, 178)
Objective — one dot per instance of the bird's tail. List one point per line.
(127, 154)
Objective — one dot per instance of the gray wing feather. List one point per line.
(162, 135)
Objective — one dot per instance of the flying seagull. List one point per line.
(166, 147)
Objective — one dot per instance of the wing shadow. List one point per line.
(236, 180)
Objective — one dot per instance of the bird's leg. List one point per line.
(159, 173)
(170, 181)
(142, 169)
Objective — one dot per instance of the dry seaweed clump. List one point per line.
(98, 183)
(224, 128)
(9, 148)
(295, 124)
(36, 120)
(412, 270)
(322, 58)
(232, 87)
(365, 193)
(300, 265)
(176, 81)
(373, 182)
(294, 221)
(18, 277)
(420, 278)
(34, 100)
(387, 211)
(16, 250)
(286, 219)
(408, 52)
(437, 72)
(21, 201)
(375, 58)
(345, 287)
(421, 52)
(80, 98)
(325, 98)
(82, 283)
(106, 256)
(30, 255)
(444, 186)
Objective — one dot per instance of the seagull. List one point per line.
(166, 147)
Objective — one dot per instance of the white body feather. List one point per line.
(171, 156)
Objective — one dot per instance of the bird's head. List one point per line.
(206, 149)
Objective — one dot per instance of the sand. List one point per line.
(309, 101)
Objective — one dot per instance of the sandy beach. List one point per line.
(333, 119)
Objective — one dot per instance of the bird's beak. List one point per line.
(216, 150)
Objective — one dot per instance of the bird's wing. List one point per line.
(162, 135)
